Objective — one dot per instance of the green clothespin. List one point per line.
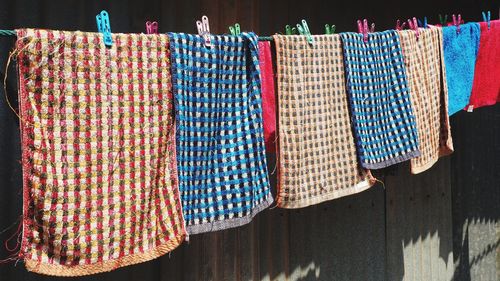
(330, 29)
(237, 29)
(305, 31)
(295, 31)
(443, 20)
(288, 30)
(232, 30)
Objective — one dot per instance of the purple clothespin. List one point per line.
(151, 27)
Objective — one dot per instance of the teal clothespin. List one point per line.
(330, 29)
(304, 30)
(103, 26)
(487, 18)
(443, 20)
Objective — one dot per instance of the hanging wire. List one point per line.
(4, 32)
(7, 32)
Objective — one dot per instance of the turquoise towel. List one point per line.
(460, 52)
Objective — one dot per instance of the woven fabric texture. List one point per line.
(425, 67)
(317, 151)
(460, 52)
(220, 143)
(268, 95)
(486, 85)
(98, 151)
(377, 86)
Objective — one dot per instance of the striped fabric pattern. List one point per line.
(98, 151)
(220, 143)
(383, 118)
(424, 62)
(317, 152)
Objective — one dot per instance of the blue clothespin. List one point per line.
(487, 19)
(103, 26)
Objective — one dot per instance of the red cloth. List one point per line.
(268, 97)
(486, 86)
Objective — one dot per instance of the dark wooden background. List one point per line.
(441, 225)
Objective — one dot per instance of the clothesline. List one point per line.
(6, 32)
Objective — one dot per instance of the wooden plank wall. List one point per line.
(440, 225)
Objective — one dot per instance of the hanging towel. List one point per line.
(460, 51)
(268, 96)
(220, 143)
(317, 152)
(383, 120)
(98, 151)
(486, 86)
(429, 94)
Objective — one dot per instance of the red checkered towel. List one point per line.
(98, 151)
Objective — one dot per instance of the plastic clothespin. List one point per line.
(363, 29)
(204, 30)
(413, 24)
(457, 21)
(330, 29)
(237, 29)
(307, 32)
(400, 26)
(288, 30)
(103, 26)
(443, 20)
(232, 30)
(425, 23)
(487, 18)
(372, 27)
(295, 31)
(151, 27)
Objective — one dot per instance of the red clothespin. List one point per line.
(400, 26)
(151, 27)
(457, 22)
(413, 24)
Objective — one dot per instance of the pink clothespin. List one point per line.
(363, 29)
(413, 24)
(151, 27)
(457, 22)
(400, 26)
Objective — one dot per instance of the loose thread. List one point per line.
(6, 244)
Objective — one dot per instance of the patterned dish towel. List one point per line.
(268, 96)
(486, 86)
(460, 52)
(317, 152)
(429, 94)
(220, 144)
(384, 124)
(98, 151)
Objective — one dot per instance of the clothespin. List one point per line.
(457, 21)
(443, 20)
(487, 19)
(151, 27)
(400, 26)
(330, 29)
(413, 24)
(288, 30)
(204, 30)
(425, 23)
(235, 30)
(304, 30)
(372, 27)
(363, 29)
(103, 26)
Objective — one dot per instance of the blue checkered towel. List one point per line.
(220, 145)
(383, 119)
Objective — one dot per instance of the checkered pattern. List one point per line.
(98, 151)
(220, 143)
(429, 94)
(317, 152)
(383, 118)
